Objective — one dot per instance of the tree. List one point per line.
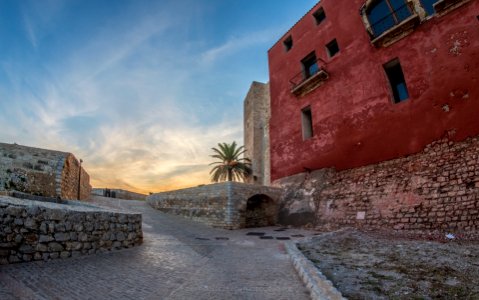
(231, 166)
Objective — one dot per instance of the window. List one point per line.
(319, 16)
(310, 65)
(332, 48)
(385, 14)
(428, 6)
(307, 123)
(396, 80)
(288, 43)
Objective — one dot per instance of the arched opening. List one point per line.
(260, 211)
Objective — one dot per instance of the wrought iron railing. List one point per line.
(392, 19)
(306, 74)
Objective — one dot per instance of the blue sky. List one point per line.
(140, 90)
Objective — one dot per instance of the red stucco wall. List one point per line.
(354, 119)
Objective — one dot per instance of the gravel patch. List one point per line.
(377, 266)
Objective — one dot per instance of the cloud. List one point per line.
(29, 30)
(130, 100)
(235, 44)
(159, 159)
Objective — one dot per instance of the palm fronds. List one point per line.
(230, 165)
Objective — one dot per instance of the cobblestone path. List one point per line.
(179, 259)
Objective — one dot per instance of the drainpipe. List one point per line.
(79, 179)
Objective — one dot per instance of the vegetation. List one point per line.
(231, 166)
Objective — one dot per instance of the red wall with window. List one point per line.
(355, 120)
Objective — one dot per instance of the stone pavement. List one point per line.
(179, 259)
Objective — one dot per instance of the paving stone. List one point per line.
(255, 233)
(170, 264)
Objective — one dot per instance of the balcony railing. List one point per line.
(304, 82)
(392, 19)
(394, 26)
(443, 6)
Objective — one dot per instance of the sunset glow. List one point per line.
(140, 90)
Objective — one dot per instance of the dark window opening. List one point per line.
(288, 43)
(385, 14)
(310, 65)
(333, 48)
(477, 18)
(428, 6)
(396, 80)
(307, 123)
(319, 16)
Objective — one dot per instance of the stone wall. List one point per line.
(69, 179)
(118, 193)
(42, 172)
(219, 205)
(32, 230)
(257, 113)
(435, 190)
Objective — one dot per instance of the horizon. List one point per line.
(140, 91)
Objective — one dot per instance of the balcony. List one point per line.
(443, 6)
(305, 82)
(394, 26)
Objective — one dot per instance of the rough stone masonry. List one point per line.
(33, 230)
(42, 172)
(434, 190)
(229, 205)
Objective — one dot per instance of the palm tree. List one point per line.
(231, 166)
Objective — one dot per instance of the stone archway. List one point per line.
(261, 210)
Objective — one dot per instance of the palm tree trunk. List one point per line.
(230, 173)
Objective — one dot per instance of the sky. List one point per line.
(140, 90)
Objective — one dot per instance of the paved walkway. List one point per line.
(179, 259)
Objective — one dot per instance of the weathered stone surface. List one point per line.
(48, 230)
(42, 172)
(257, 113)
(54, 247)
(434, 190)
(225, 204)
(45, 238)
(61, 237)
(120, 236)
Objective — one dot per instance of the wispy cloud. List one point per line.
(29, 30)
(235, 44)
(138, 103)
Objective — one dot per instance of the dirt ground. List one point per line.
(365, 265)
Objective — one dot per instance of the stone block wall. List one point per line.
(219, 205)
(435, 190)
(32, 230)
(257, 113)
(42, 172)
(69, 179)
(29, 170)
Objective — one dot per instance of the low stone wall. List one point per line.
(219, 205)
(435, 190)
(32, 230)
(118, 193)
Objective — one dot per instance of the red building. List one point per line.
(355, 83)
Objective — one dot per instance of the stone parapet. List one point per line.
(219, 205)
(32, 230)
